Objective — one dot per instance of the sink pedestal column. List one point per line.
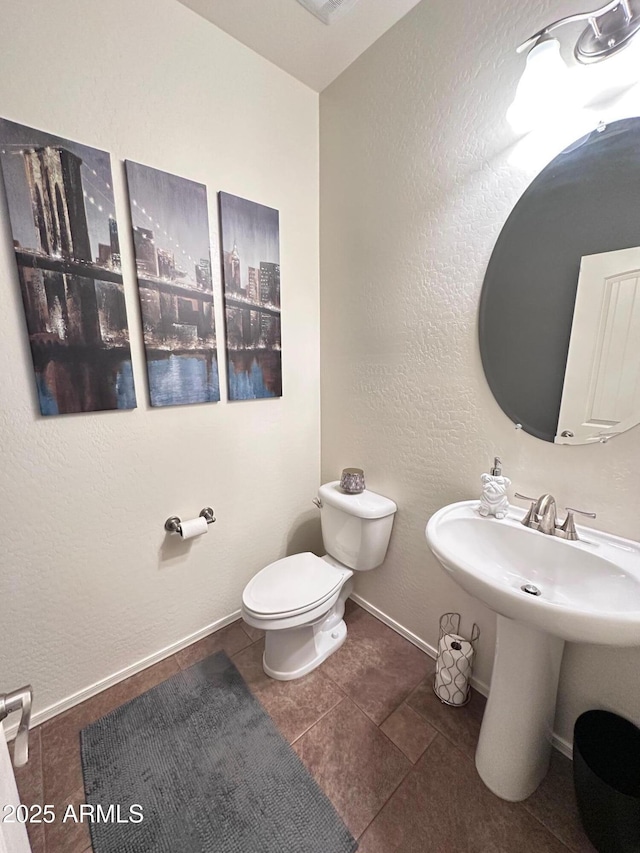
(515, 739)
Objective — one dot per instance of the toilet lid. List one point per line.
(295, 583)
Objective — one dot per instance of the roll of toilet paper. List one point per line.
(453, 669)
(193, 527)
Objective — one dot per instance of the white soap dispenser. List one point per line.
(494, 500)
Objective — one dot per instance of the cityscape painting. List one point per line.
(251, 269)
(65, 236)
(171, 240)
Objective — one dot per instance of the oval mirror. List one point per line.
(559, 319)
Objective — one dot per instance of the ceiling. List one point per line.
(291, 37)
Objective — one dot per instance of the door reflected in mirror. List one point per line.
(601, 392)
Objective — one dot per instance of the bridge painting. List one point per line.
(171, 240)
(251, 273)
(65, 236)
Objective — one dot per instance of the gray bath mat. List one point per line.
(210, 770)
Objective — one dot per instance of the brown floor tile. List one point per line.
(67, 836)
(253, 633)
(61, 768)
(231, 639)
(460, 725)
(356, 766)
(29, 782)
(443, 807)
(35, 831)
(554, 804)
(350, 607)
(409, 731)
(376, 667)
(293, 705)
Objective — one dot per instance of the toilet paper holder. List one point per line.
(172, 524)
(454, 665)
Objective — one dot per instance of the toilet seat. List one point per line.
(293, 586)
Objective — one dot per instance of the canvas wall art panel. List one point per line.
(171, 239)
(65, 236)
(250, 235)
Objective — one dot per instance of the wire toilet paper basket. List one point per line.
(454, 664)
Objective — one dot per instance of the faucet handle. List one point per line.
(581, 512)
(525, 497)
(569, 528)
(531, 517)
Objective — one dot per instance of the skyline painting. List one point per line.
(65, 236)
(171, 240)
(250, 237)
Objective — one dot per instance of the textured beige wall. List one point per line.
(419, 170)
(89, 584)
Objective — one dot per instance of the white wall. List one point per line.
(89, 583)
(419, 171)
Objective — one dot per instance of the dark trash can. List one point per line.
(606, 771)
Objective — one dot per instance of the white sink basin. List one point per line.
(589, 589)
(589, 593)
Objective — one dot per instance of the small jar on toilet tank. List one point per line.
(352, 481)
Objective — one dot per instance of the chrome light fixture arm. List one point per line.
(595, 18)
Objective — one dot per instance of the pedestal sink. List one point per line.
(545, 591)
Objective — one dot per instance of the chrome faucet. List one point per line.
(542, 516)
(546, 511)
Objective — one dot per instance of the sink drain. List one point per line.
(530, 589)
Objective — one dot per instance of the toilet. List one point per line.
(299, 600)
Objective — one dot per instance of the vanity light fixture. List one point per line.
(548, 84)
(609, 29)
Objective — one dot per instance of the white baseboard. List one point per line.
(397, 627)
(86, 693)
(558, 742)
(562, 745)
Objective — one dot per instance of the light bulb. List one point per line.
(544, 88)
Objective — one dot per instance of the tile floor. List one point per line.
(396, 763)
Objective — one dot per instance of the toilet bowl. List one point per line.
(299, 600)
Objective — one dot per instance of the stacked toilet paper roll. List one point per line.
(453, 669)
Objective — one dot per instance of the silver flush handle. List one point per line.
(20, 700)
(317, 502)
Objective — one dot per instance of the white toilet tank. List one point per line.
(355, 528)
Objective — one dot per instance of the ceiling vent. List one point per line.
(328, 10)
